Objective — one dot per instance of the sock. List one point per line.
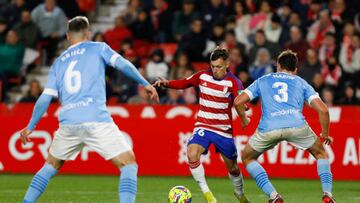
(198, 172)
(323, 168)
(39, 183)
(128, 183)
(238, 182)
(262, 180)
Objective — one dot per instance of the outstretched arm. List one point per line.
(178, 84)
(240, 107)
(324, 118)
(40, 108)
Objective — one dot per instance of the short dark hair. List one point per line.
(287, 60)
(78, 24)
(219, 52)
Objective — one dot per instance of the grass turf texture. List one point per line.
(67, 188)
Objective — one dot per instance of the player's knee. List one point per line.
(321, 154)
(234, 170)
(192, 155)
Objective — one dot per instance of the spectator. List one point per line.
(161, 17)
(328, 47)
(348, 31)
(230, 42)
(318, 82)
(261, 42)
(52, 22)
(350, 59)
(319, 28)
(245, 78)
(182, 64)
(327, 94)
(331, 71)
(114, 36)
(294, 20)
(11, 57)
(237, 61)
(297, 44)
(132, 11)
(194, 43)
(98, 37)
(29, 33)
(262, 64)
(313, 12)
(33, 93)
(310, 67)
(261, 19)
(216, 37)
(339, 12)
(213, 11)
(3, 30)
(173, 98)
(242, 17)
(142, 28)
(273, 30)
(156, 67)
(140, 98)
(183, 18)
(12, 12)
(349, 97)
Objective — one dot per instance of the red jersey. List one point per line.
(216, 100)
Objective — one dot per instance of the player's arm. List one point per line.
(316, 103)
(118, 62)
(41, 105)
(241, 100)
(178, 84)
(324, 118)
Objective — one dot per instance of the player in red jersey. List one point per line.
(218, 89)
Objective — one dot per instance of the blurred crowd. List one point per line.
(173, 39)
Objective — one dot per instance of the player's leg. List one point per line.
(66, 145)
(236, 178)
(257, 144)
(128, 178)
(107, 140)
(41, 179)
(198, 145)
(324, 171)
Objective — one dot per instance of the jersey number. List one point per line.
(72, 79)
(282, 95)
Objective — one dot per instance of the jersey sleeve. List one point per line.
(253, 90)
(109, 55)
(237, 87)
(51, 87)
(185, 83)
(309, 92)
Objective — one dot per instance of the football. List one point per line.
(179, 194)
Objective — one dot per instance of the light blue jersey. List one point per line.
(77, 77)
(282, 100)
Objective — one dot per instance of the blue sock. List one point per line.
(128, 183)
(39, 183)
(262, 181)
(323, 167)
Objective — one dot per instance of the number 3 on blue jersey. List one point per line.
(72, 79)
(282, 95)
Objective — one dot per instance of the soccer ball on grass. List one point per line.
(179, 194)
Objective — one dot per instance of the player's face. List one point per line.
(218, 68)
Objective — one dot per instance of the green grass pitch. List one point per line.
(80, 189)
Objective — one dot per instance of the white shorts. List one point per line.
(104, 138)
(302, 138)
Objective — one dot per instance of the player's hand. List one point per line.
(245, 122)
(151, 91)
(161, 82)
(327, 139)
(24, 135)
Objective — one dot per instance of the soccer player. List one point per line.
(283, 95)
(77, 77)
(218, 88)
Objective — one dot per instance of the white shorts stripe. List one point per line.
(215, 131)
(50, 92)
(211, 79)
(113, 59)
(222, 127)
(209, 115)
(212, 104)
